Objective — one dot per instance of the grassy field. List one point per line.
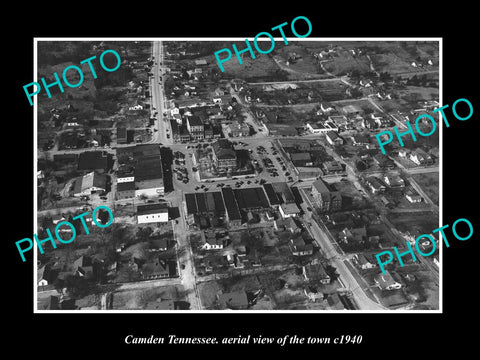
(429, 183)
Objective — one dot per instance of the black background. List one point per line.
(383, 334)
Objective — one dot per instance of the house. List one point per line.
(236, 129)
(316, 272)
(333, 138)
(332, 167)
(352, 110)
(83, 266)
(375, 185)
(155, 269)
(326, 199)
(211, 242)
(363, 263)
(384, 162)
(357, 235)
(412, 195)
(402, 153)
(320, 128)
(41, 281)
(287, 224)
(91, 183)
(298, 247)
(234, 300)
(360, 139)
(420, 157)
(224, 155)
(386, 281)
(152, 213)
(394, 181)
(158, 244)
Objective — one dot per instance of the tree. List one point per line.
(104, 216)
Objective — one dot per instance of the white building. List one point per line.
(152, 213)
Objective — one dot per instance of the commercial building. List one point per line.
(152, 213)
(90, 183)
(125, 190)
(326, 199)
(195, 127)
(224, 155)
(233, 213)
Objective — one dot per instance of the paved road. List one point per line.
(326, 242)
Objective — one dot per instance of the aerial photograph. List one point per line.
(260, 188)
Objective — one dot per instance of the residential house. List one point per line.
(386, 281)
(333, 138)
(287, 224)
(384, 162)
(394, 181)
(41, 278)
(316, 272)
(236, 129)
(155, 269)
(211, 242)
(83, 266)
(298, 247)
(375, 185)
(360, 139)
(363, 263)
(352, 110)
(420, 157)
(356, 235)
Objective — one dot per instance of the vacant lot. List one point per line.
(141, 299)
(429, 182)
(416, 223)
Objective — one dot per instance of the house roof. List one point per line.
(320, 186)
(155, 268)
(384, 280)
(300, 156)
(126, 186)
(316, 271)
(152, 209)
(94, 180)
(290, 208)
(194, 120)
(93, 160)
(224, 149)
(40, 272)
